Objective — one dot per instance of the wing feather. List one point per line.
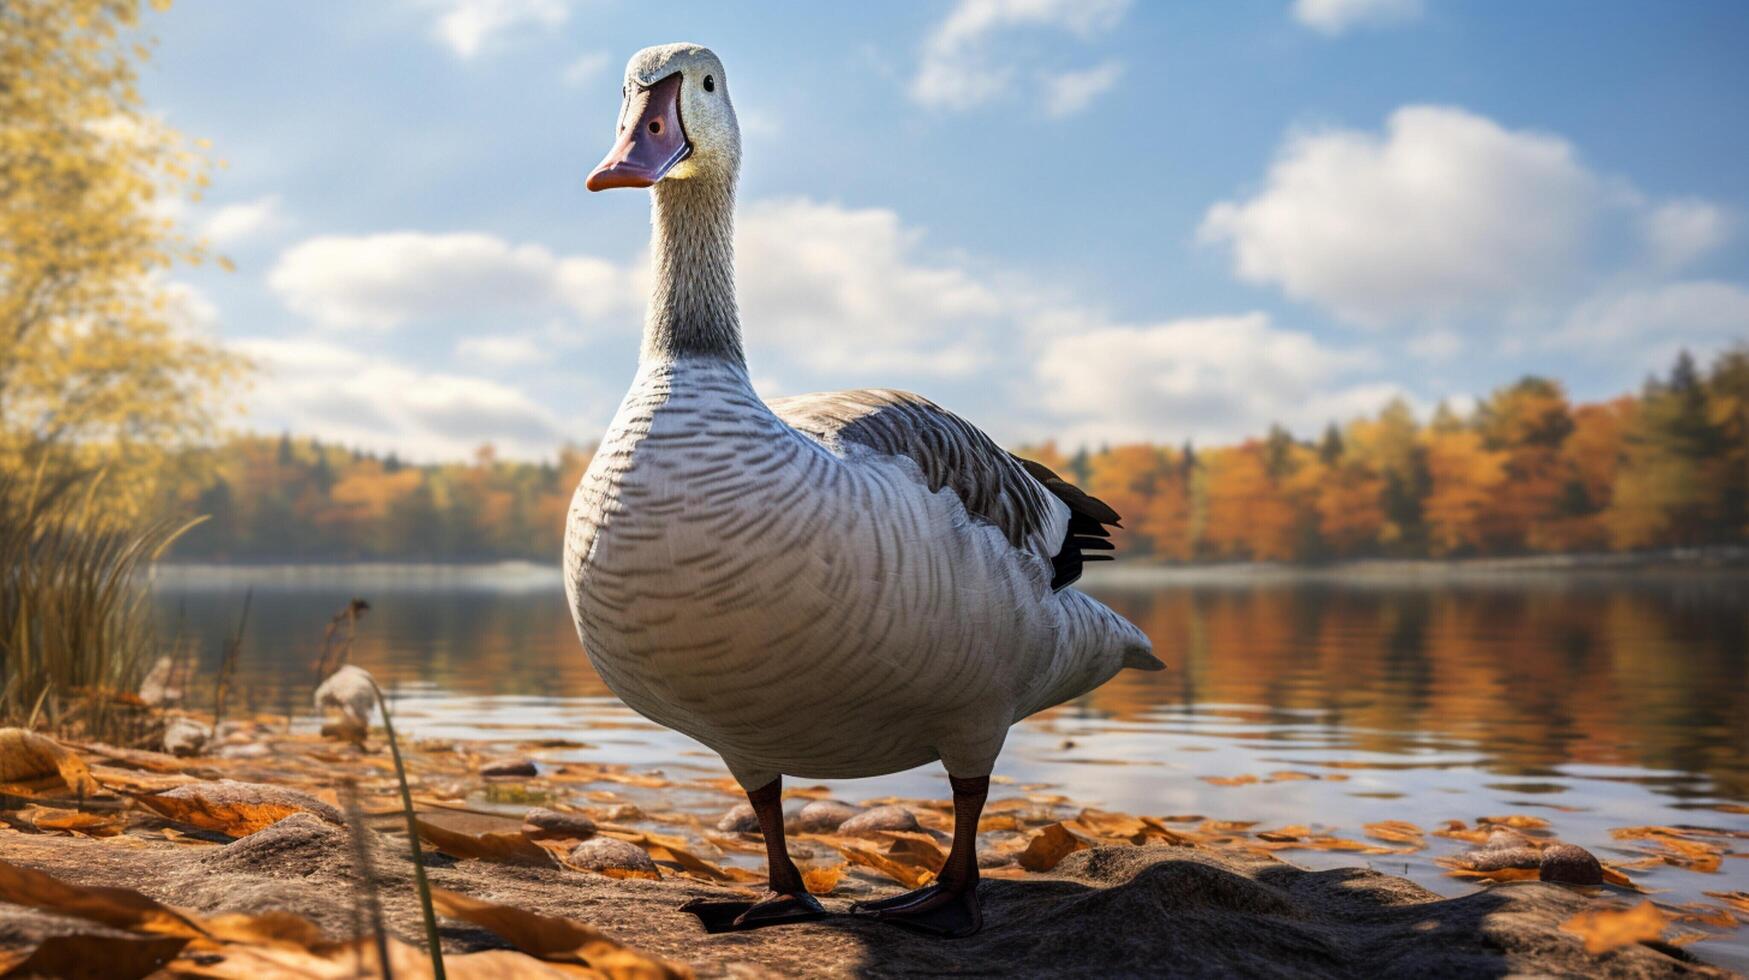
(1018, 496)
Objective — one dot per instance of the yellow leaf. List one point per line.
(1607, 929)
(29, 762)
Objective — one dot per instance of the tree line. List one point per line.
(1526, 471)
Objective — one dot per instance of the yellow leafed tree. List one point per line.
(101, 368)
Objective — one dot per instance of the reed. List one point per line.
(76, 627)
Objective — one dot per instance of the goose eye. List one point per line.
(710, 84)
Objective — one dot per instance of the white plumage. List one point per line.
(828, 586)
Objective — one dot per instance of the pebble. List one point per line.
(509, 767)
(739, 819)
(621, 813)
(1504, 837)
(1569, 864)
(890, 817)
(1496, 858)
(542, 822)
(610, 854)
(821, 817)
(184, 737)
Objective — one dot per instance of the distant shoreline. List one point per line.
(515, 575)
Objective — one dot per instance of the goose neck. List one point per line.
(692, 298)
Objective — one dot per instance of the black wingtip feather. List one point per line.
(1089, 520)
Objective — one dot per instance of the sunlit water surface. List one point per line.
(1593, 701)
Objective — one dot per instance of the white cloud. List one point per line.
(1067, 93)
(237, 223)
(1209, 378)
(1682, 230)
(1641, 324)
(1437, 344)
(958, 71)
(501, 351)
(834, 288)
(189, 310)
(367, 401)
(1447, 212)
(466, 27)
(383, 280)
(830, 288)
(585, 69)
(831, 296)
(1334, 17)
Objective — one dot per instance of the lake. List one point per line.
(1591, 700)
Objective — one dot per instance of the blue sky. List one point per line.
(1090, 219)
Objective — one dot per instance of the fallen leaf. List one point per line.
(555, 939)
(1288, 776)
(1701, 912)
(821, 880)
(235, 808)
(1517, 821)
(1052, 844)
(1607, 929)
(106, 824)
(912, 847)
(908, 875)
(30, 762)
(1396, 831)
(1282, 835)
(78, 955)
(1736, 900)
(122, 908)
(502, 847)
(1244, 780)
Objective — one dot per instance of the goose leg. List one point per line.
(948, 906)
(787, 900)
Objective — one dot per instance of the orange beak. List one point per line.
(649, 147)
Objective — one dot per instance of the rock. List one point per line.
(739, 819)
(820, 817)
(185, 737)
(352, 692)
(621, 813)
(509, 767)
(993, 859)
(611, 854)
(245, 750)
(542, 822)
(1495, 859)
(880, 818)
(1503, 838)
(1569, 864)
(159, 687)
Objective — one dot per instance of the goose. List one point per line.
(825, 586)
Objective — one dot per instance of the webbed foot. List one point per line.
(934, 909)
(775, 909)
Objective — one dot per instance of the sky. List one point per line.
(1089, 220)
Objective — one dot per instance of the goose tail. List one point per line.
(1138, 650)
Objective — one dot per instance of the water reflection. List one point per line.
(1648, 677)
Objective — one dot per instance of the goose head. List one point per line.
(675, 122)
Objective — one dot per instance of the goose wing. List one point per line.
(1035, 509)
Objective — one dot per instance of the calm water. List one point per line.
(1593, 701)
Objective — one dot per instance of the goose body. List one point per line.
(826, 586)
(808, 605)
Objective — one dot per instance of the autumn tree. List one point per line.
(1527, 423)
(1669, 491)
(99, 368)
(1464, 478)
